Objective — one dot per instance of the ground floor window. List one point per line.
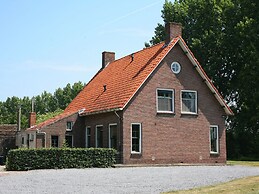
(136, 138)
(113, 136)
(214, 139)
(69, 141)
(88, 137)
(54, 141)
(99, 136)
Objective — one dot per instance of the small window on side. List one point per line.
(136, 138)
(69, 126)
(214, 139)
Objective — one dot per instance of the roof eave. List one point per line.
(85, 113)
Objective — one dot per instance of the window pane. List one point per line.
(135, 138)
(189, 102)
(213, 139)
(54, 141)
(113, 136)
(165, 100)
(69, 141)
(99, 137)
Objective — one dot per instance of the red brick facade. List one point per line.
(174, 138)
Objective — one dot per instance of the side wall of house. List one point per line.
(59, 129)
(104, 121)
(174, 137)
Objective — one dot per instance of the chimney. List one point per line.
(32, 115)
(107, 57)
(32, 119)
(172, 30)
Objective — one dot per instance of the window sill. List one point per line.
(189, 113)
(165, 112)
(214, 153)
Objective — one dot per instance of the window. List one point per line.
(176, 67)
(69, 141)
(214, 139)
(99, 136)
(69, 125)
(136, 138)
(113, 136)
(88, 137)
(165, 100)
(189, 102)
(54, 141)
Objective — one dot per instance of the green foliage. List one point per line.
(52, 158)
(223, 35)
(46, 105)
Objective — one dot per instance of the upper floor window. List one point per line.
(165, 100)
(189, 101)
(214, 139)
(69, 125)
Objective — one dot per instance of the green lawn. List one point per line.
(249, 185)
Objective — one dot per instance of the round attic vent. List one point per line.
(176, 67)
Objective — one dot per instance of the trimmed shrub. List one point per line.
(53, 158)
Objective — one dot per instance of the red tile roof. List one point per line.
(51, 121)
(114, 86)
(122, 79)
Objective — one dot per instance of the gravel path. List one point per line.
(120, 180)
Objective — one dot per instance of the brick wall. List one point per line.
(105, 119)
(7, 138)
(174, 138)
(59, 129)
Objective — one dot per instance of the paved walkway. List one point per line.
(144, 180)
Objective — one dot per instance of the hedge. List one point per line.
(56, 158)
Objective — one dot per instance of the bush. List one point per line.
(52, 158)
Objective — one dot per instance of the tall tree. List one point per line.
(224, 35)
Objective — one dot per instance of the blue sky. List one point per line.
(46, 44)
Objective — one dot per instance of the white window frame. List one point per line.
(162, 111)
(72, 139)
(72, 123)
(217, 141)
(172, 67)
(140, 138)
(196, 102)
(86, 136)
(96, 134)
(112, 124)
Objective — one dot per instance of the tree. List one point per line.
(46, 105)
(223, 35)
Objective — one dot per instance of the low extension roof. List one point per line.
(113, 87)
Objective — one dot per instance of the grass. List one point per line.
(248, 185)
(243, 163)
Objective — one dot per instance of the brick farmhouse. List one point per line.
(154, 106)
